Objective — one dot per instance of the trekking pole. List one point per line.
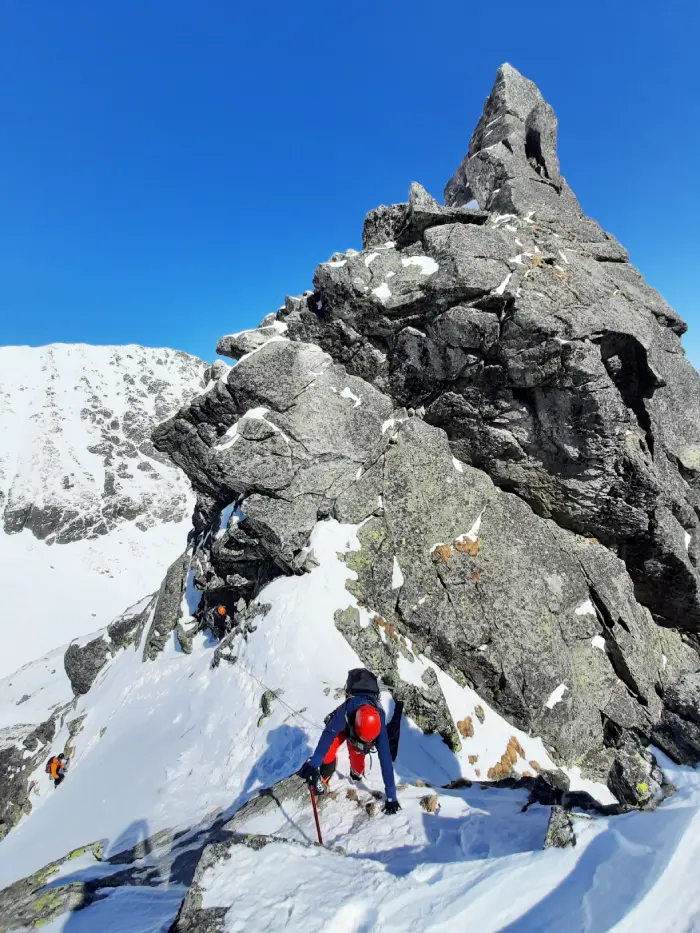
(318, 825)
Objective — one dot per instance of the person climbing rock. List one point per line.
(218, 620)
(56, 768)
(360, 722)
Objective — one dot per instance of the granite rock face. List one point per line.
(530, 339)
(502, 404)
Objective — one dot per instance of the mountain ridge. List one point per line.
(88, 506)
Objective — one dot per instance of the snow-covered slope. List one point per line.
(165, 745)
(91, 513)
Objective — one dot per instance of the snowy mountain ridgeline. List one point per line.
(468, 459)
(91, 512)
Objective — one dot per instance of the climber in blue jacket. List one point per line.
(359, 721)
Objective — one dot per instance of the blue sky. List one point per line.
(169, 171)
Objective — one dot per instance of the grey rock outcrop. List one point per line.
(284, 435)
(678, 732)
(403, 224)
(237, 345)
(502, 402)
(636, 779)
(166, 613)
(510, 603)
(35, 901)
(560, 830)
(83, 664)
(534, 344)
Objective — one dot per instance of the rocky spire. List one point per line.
(511, 165)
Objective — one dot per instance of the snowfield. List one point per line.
(92, 515)
(168, 744)
(80, 587)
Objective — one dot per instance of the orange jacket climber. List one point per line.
(56, 768)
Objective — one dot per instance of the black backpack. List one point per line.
(360, 680)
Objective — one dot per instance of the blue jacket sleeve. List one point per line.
(335, 725)
(386, 763)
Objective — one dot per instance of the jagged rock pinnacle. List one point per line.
(511, 165)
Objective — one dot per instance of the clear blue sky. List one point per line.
(169, 170)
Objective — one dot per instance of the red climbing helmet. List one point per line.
(367, 724)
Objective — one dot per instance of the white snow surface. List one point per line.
(598, 642)
(382, 292)
(75, 425)
(502, 287)
(348, 393)
(426, 265)
(585, 609)
(181, 740)
(556, 696)
(473, 533)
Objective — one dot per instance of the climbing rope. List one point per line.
(297, 714)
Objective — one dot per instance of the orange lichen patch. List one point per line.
(420, 783)
(535, 767)
(472, 759)
(465, 727)
(441, 552)
(402, 787)
(536, 259)
(475, 576)
(389, 629)
(351, 793)
(477, 772)
(466, 546)
(593, 540)
(504, 767)
(501, 769)
(429, 803)
(371, 808)
(528, 774)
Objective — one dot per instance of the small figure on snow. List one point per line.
(361, 722)
(56, 768)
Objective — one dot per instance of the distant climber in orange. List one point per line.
(56, 768)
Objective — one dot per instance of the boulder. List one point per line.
(84, 663)
(289, 441)
(560, 830)
(636, 779)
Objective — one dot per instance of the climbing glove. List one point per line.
(391, 807)
(311, 775)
